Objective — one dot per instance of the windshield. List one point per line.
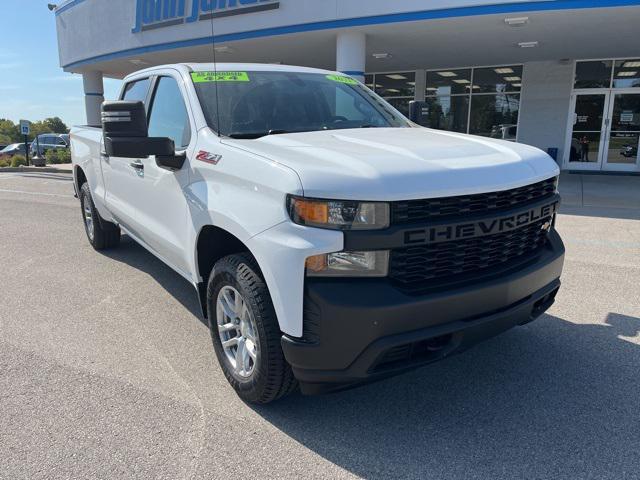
(254, 104)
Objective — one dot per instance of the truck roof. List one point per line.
(233, 67)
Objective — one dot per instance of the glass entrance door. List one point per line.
(605, 134)
(623, 132)
(587, 136)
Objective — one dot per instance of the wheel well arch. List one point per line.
(80, 178)
(213, 244)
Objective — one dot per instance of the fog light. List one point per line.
(349, 264)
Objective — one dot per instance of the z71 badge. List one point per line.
(208, 157)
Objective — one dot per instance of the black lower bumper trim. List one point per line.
(369, 330)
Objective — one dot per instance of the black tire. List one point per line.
(100, 233)
(271, 377)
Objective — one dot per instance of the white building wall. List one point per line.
(544, 107)
(92, 28)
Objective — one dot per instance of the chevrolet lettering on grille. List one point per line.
(480, 228)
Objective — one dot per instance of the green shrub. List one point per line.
(5, 162)
(18, 161)
(55, 157)
(51, 156)
(64, 156)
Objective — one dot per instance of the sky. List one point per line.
(32, 84)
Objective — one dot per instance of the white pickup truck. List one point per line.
(331, 241)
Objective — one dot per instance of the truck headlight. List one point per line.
(338, 214)
(349, 264)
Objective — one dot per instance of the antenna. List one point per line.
(215, 71)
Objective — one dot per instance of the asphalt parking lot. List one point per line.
(106, 370)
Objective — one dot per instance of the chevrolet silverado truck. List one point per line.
(330, 240)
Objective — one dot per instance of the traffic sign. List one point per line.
(25, 127)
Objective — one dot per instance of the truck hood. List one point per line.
(401, 163)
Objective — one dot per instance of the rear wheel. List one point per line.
(245, 331)
(101, 234)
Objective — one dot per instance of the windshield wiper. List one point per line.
(254, 135)
(247, 135)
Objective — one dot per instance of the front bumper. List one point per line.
(363, 330)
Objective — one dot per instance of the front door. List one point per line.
(605, 132)
(161, 205)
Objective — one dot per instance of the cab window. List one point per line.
(136, 91)
(168, 117)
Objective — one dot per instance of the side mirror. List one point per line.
(124, 126)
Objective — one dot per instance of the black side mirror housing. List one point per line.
(125, 130)
(138, 147)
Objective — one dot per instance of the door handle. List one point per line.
(138, 165)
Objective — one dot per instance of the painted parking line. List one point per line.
(2, 190)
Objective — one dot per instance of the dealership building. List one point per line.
(562, 75)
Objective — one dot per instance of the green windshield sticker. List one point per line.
(341, 79)
(208, 77)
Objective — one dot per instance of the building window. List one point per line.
(596, 74)
(626, 74)
(607, 74)
(449, 112)
(397, 88)
(480, 101)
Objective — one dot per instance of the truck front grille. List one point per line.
(420, 268)
(464, 205)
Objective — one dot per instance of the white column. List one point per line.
(351, 51)
(93, 96)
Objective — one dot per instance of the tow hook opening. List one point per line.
(541, 305)
(413, 353)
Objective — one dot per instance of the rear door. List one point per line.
(122, 176)
(160, 199)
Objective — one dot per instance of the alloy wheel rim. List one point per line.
(237, 331)
(88, 218)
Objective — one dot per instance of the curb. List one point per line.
(34, 169)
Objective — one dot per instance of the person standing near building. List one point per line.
(584, 149)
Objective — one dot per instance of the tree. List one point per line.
(38, 128)
(10, 131)
(55, 125)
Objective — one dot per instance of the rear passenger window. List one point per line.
(168, 113)
(136, 91)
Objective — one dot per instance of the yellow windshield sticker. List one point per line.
(207, 77)
(341, 79)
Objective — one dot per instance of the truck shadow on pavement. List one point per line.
(552, 399)
(132, 254)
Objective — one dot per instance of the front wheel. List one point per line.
(245, 331)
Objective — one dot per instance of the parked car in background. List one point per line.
(13, 149)
(49, 141)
